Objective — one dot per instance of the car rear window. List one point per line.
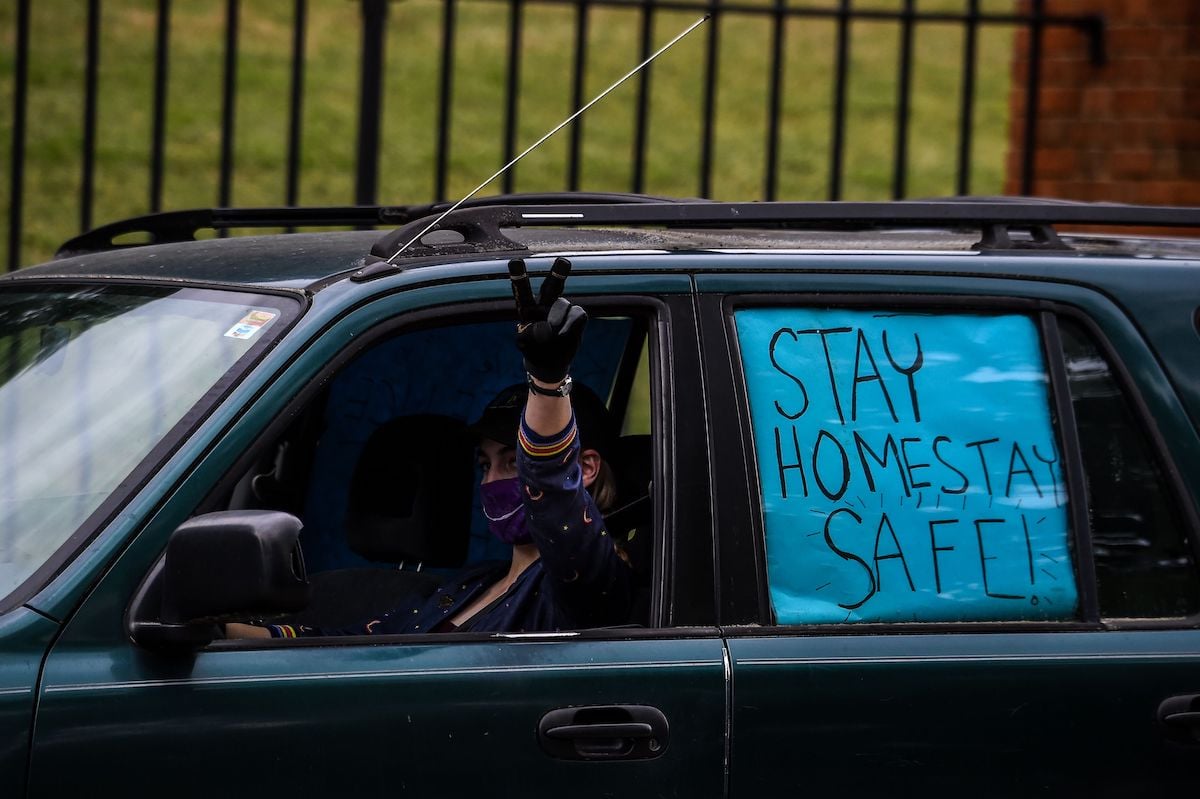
(909, 466)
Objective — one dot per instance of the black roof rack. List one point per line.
(477, 226)
(480, 230)
(177, 226)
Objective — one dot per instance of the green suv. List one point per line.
(909, 491)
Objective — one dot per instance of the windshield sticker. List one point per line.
(908, 467)
(250, 324)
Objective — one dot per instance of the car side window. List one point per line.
(381, 467)
(909, 466)
(1144, 566)
(407, 376)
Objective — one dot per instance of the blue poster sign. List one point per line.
(908, 466)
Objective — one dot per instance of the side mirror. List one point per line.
(220, 566)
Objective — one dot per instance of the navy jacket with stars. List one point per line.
(579, 580)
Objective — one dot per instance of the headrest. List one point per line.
(410, 498)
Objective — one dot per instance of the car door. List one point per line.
(426, 715)
(895, 624)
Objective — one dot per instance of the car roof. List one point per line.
(510, 228)
(296, 260)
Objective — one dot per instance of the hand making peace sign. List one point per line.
(549, 328)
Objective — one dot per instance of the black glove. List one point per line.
(550, 328)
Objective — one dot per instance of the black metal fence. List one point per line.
(372, 16)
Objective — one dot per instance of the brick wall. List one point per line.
(1127, 131)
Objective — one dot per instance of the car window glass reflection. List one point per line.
(1144, 567)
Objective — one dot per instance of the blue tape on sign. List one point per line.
(908, 466)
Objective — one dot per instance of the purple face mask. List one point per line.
(504, 510)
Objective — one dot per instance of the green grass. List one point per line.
(55, 102)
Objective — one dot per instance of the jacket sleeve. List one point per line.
(380, 626)
(400, 619)
(586, 576)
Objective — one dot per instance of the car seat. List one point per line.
(409, 506)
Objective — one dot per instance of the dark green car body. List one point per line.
(1071, 705)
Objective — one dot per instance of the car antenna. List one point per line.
(550, 133)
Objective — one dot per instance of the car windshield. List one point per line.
(92, 378)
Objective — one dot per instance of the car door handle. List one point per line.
(1190, 720)
(617, 730)
(604, 732)
(1181, 716)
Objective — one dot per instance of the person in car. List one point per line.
(544, 483)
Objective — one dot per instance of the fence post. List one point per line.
(966, 117)
(228, 106)
(91, 72)
(1032, 84)
(162, 60)
(370, 100)
(642, 118)
(841, 68)
(511, 92)
(17, 177)
(578, 69)
(296, 108)
(708, 133)
(445, 93)
(775, 99)
(903, 101)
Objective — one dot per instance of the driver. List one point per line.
(544, 479)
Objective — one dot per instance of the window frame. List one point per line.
(746, 577)
(1175, 486)
(657, 317)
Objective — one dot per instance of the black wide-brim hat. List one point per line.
(502, 417)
